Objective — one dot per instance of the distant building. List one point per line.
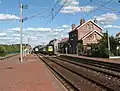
(87, 33)
(63, 45)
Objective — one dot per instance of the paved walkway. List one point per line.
(31, 75)
(92, 58)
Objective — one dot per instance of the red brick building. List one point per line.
(87, 32)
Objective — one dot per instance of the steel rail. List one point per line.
(64, 81)
(101, 64)
(94, 68)
(91, 77)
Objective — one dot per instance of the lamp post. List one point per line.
(108, 44)
(21, 21)
(28, 45)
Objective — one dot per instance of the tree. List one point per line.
(80, 47)
(2, 51)
(103, 46)
(101, 49)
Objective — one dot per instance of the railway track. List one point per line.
(95, 67)
(82, 78)
(68, 85)
(105, 65)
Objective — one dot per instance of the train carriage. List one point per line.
(36, 50)
(47, 50)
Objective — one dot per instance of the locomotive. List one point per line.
(47, 50)
(50, 49)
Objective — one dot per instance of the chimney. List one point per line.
(82, 21)
(95, 20)
(73, 26)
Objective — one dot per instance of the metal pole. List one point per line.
(21, 18)
(77, 50)
(28, 45)
(108, 44)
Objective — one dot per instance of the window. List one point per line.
(89, 27)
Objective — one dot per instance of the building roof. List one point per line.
(79, 26)
(88, 34)
(64, 40)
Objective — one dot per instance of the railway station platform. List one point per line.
(93, 58)
(30, 75)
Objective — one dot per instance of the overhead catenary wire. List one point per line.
(99, 7)
(113, 10)
(56, 12)
(34, 15)
(56, 3)
(60, 9)
(89, 2)
(51, 13)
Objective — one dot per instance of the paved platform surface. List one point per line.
(92, 58)
(31, 75)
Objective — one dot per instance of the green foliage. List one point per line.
(80, 48)
(8, 49)
(2, 51)
(101, 49)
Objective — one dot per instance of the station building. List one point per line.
(87, 32)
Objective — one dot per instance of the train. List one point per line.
(46, 50)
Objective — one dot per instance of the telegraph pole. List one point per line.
(28, 45)
(21, 21)
(108, 43)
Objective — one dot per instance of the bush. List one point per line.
(2, 51)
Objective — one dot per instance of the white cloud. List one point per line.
(74, 9)
(55, 33)
(16, 35)
(70, 2)
(33, 38)
(72, 6)
(75, 3)
(57, 30)
(39, 29)
(106, 18)
(15, 29)
(65, 26)
(5, 38)
(8, 17)
(3, 34)
(32, 29)
(16, 38)
(38, 35)
(111, 26)
(43, 29)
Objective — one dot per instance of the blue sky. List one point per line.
(40, 29)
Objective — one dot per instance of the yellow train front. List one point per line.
(50, 49)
